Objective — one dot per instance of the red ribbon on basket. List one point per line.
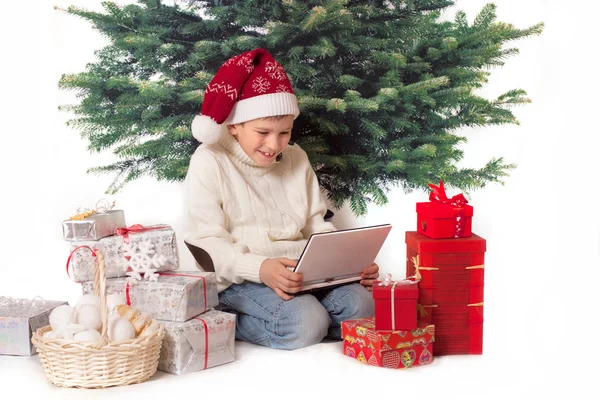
(386, 282)
(71, 255)
(128, 297)
(205, 341)
(438, 195)
(137, 228)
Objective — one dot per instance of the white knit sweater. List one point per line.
(242, 213)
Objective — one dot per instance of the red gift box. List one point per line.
(389, 349)
(395, 305)
(451, 281)
(444, 217)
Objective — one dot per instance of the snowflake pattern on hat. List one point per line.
(260, 85)
(275, 70)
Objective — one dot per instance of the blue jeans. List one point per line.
(266, 319)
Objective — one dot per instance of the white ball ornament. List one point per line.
(89, 298)
(90, 335)
(114, 300)
(61, 316)
(89, 316)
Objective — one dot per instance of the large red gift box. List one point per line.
(389, 349)
(443, 217)
(451, 273)
(395, 305)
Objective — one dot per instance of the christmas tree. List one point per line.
(383, 86)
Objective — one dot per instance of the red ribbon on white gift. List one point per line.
(71, 255)
(205, 341)
(128, 298)
(386, 282)
(137, 228)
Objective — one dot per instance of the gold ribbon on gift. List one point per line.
(475, 304)
(102, 206)
(481, 266)
(422, 309)
(418, 268)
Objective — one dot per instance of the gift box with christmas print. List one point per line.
(451, 284)
(131, 251)
(395, 304)
(443, 217)
(202, 342)
(93, 224)
(389, 349)
(174, 296)
(19, 318)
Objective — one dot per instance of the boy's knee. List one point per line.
(357, 302)
(303, 322)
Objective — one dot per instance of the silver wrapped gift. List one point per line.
(94, 227)
(202, 342)
(128, 250)
(19, 319)
(176, 296)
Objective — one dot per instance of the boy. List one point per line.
(253, 200)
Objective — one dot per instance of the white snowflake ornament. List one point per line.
(143, 262)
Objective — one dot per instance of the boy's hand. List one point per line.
(274, 273)
(369, 276)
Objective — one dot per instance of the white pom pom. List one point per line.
(113, 300)
(90, 335)
(89, 298)
(61, 316)
(205, 129)
(89, 316)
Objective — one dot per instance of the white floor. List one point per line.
(322, 371)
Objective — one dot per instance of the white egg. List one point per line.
(113, 300)
(61, 316)
(89, 316)
(120, 329)
(89, 298)
(90, 335)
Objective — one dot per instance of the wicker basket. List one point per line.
(97, 365)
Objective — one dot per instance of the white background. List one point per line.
(541, 227)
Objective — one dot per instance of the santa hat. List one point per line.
(247, 86)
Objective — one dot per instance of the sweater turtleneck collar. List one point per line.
(236, 153)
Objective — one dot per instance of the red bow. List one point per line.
(137, 228)
(438, 193)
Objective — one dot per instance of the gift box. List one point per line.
(443, 217)
(175, 296)
(202, 342)
(389, 349)
(138, 248)
(18, 320)
(395, 305)
(451, 285)
(93, 227)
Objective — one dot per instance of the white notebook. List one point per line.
(334, 258)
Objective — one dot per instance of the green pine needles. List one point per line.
(384, 86)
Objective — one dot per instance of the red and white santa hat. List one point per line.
(247, 86)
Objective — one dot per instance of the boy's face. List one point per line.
(263, 139)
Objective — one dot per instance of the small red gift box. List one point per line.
(395, 305)
(389, 349)
(451, 282)
(444, 217)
